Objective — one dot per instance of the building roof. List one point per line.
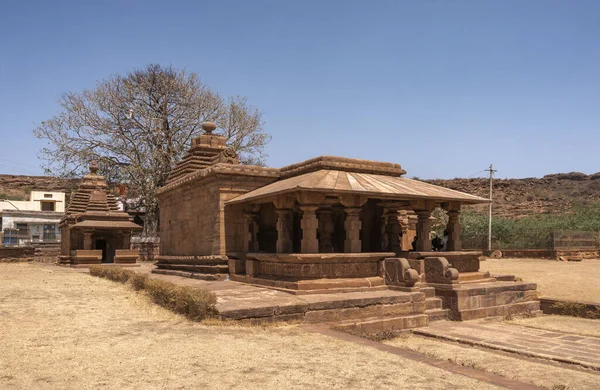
(93, 203)
(368, 184)
(107, 225)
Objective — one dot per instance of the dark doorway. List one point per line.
(101, 244)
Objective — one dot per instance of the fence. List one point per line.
(562, 240)
(566, 240)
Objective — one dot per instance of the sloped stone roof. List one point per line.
(93, 201)
(369, 184)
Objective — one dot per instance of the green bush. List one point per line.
(196, 304)
(531, 232)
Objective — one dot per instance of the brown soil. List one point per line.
(62, 329)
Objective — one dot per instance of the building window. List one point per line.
(47, 195)
(48, 206)
(22, 230)
(49, 232)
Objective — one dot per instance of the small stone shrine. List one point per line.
(94, 230)
(328, 224)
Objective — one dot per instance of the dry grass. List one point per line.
(194, 303)
(573, 325)
(61, 329)
(576, 281)
(548, 375)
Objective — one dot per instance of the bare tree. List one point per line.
(139, 125)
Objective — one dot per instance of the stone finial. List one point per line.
(94, 167)
(209, 127)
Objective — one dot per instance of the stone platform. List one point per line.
(553, 345)
(376, 309)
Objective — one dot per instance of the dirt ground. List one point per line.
(61, 329)
(534, 371)
(571, 280)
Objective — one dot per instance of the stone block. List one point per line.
(237, 266)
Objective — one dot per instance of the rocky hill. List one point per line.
(554, 194)
(18, 187)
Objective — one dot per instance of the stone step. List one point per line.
(521, 308)
(193, 275)
(437, 314)
(433, 303)
(333, 308)
(359, 313)
(378, 324)
(429, 291)
(472, 276)
(205, 269)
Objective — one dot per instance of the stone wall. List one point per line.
(148, 247)
(18, 253)
(188, 218)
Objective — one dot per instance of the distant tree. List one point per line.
(138, 126)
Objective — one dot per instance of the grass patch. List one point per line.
(194, 303)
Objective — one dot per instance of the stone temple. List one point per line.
(325, 225)
(94, 230)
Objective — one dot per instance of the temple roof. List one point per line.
(93, 201)
(207, 149)
(369, 184)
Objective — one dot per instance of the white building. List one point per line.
(33, 220)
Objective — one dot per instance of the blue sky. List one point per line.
(442, 87)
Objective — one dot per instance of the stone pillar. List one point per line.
(393, 231)
(87, 240)
(126, 240)
(309, 224)
(383, 230)
(250, 232)
(352, 225)
(423, 231)
(325, 231)
(406, 240)
(65, 237)
(284, 230)
(453, 229)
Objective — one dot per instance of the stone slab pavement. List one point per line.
(559, 346)
(240, 300)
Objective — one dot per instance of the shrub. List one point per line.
(138, 281)
(116, 274)
(195, 304)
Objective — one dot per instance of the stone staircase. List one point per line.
(433, 306)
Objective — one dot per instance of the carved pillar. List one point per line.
(250, 232)
(284, 230)
(424, 223)
(352, 225)
(309, 225)
(383, 229)
(453, 229)
(406, 239)
(393, 231)
(325, 230)
(87, 240)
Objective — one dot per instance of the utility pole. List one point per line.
(491, 170)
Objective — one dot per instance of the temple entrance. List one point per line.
(101, 245)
